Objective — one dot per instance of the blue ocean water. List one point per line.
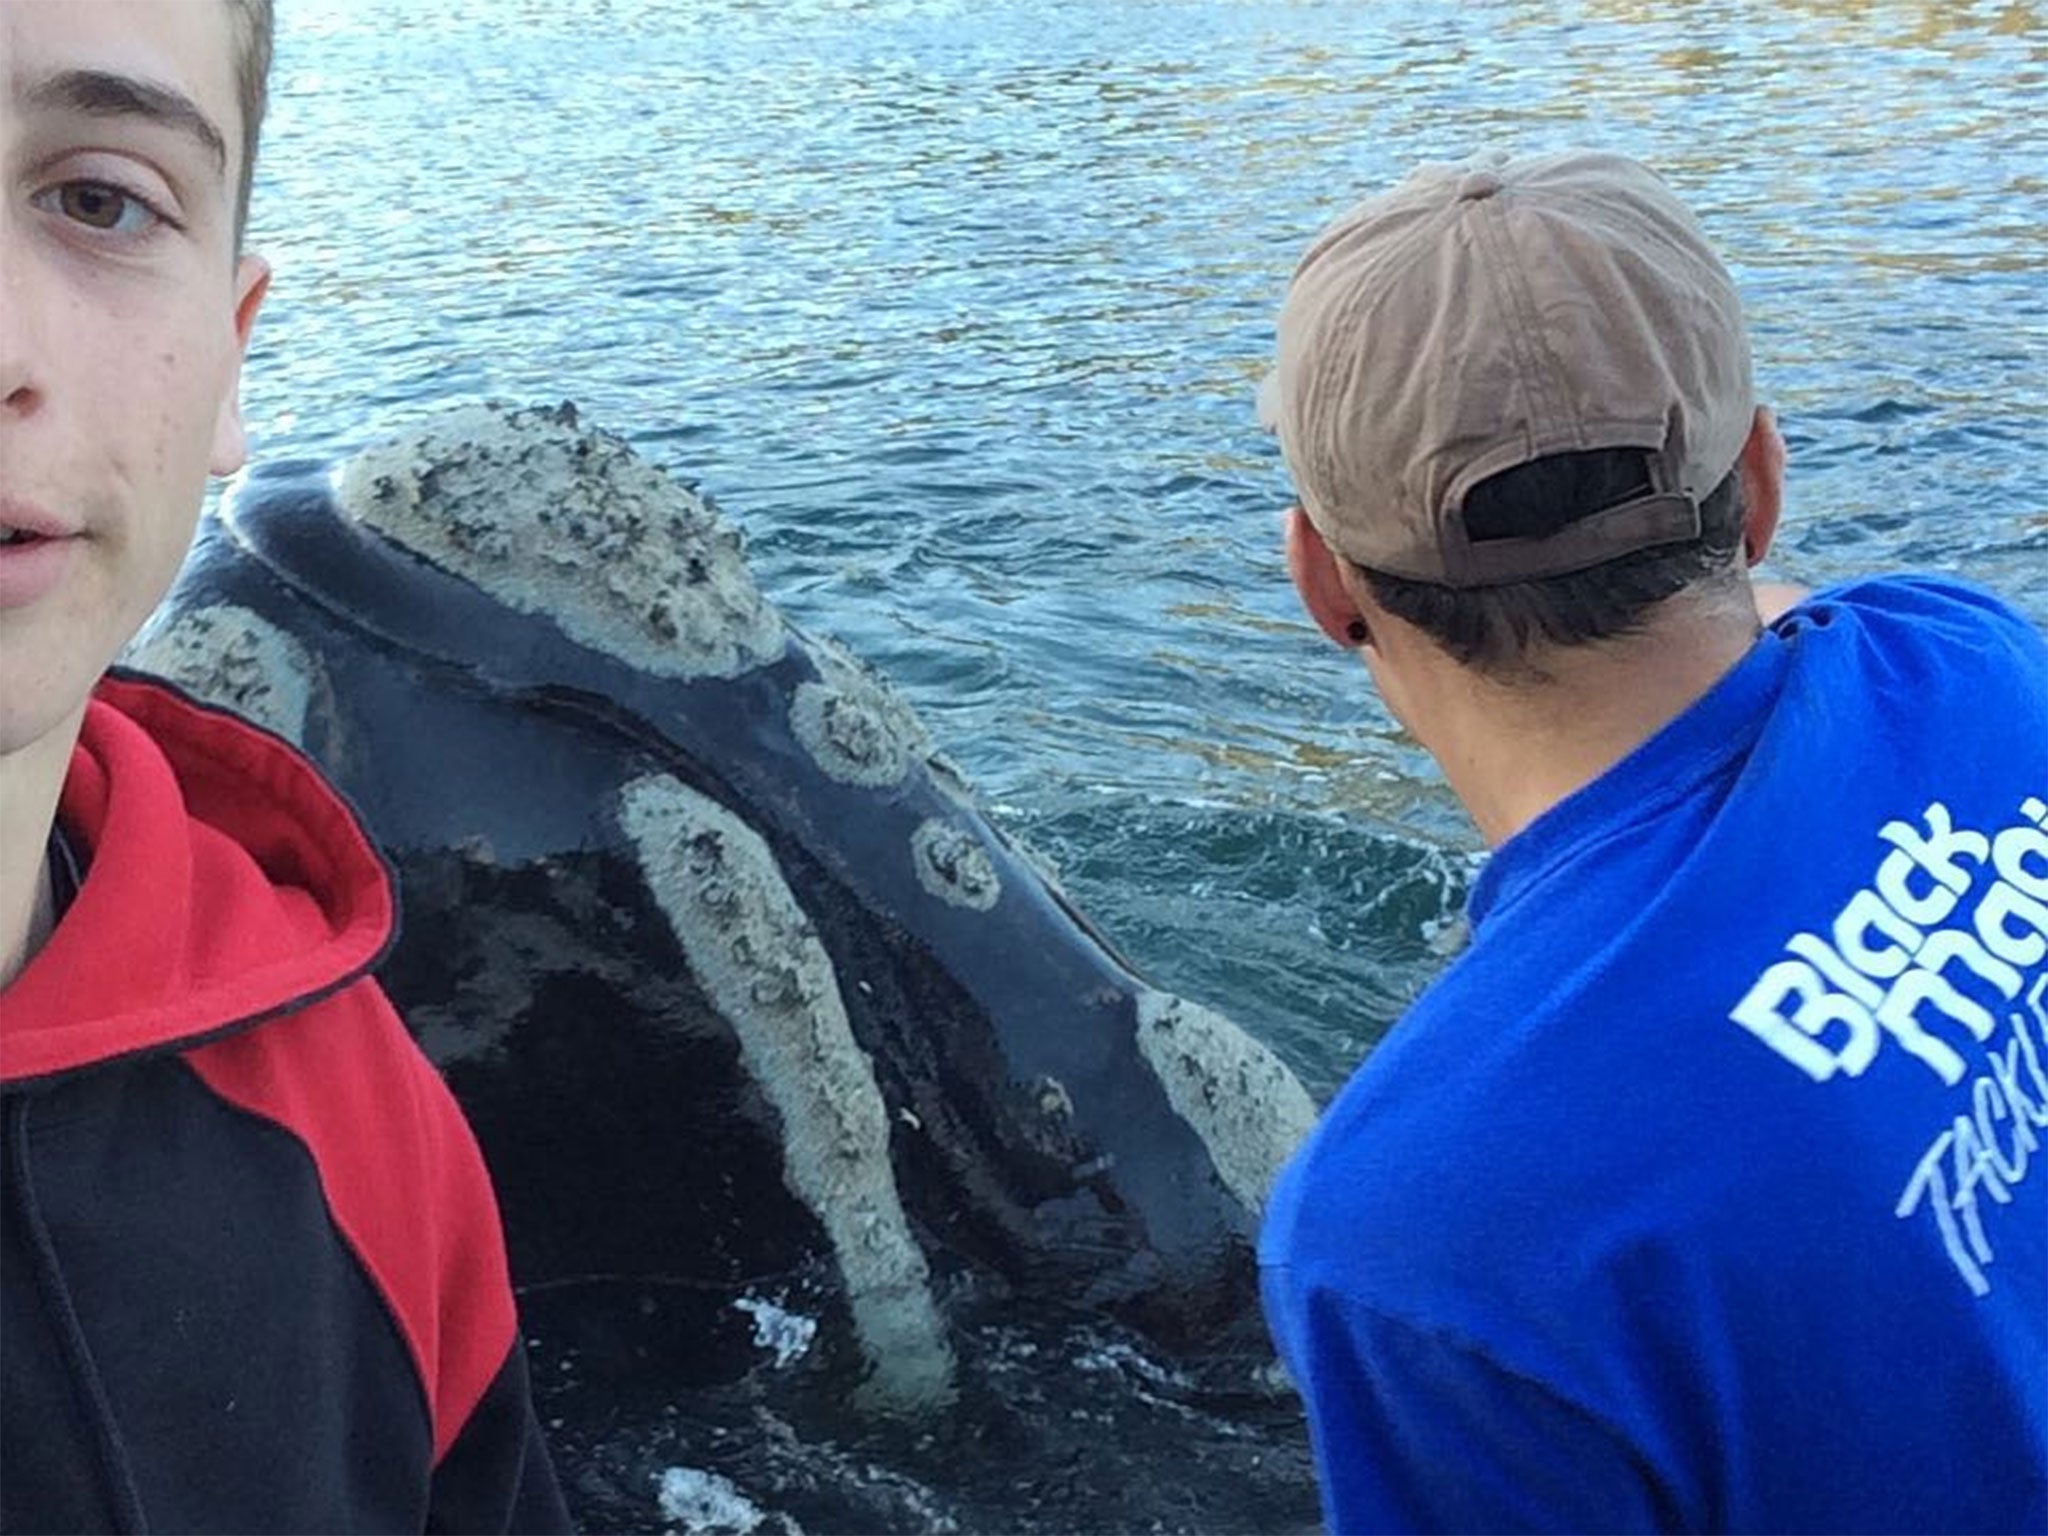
(957, 309)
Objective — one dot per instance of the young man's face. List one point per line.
(123, 316)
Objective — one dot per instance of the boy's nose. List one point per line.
(21, 389)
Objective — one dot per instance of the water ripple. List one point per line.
(958, 309)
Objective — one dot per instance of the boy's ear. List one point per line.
(1762, 468)
(1319, 580)
(230, 445)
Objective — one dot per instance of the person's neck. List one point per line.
(31, 779)
(1512, 752)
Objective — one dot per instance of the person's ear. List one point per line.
(1762, 468)
(230, 444)
(1318, 577)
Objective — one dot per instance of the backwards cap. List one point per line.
(1477, 317)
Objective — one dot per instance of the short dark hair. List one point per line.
(1502, 630)
(254, 25)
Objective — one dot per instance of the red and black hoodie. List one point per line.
(251, 1271)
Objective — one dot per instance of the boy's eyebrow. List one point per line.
(98, 93)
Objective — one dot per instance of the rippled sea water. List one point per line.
(957, 309)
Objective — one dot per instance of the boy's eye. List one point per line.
(99, 206)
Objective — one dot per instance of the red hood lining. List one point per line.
(228, 882)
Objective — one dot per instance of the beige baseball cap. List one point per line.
(1479, 316)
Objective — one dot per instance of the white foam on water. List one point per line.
(788, 1334)
(705, 1504)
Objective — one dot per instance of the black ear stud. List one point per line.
(1358, 632)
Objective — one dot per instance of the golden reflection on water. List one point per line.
(1874, 23)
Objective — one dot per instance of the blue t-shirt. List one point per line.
(1708, 1189)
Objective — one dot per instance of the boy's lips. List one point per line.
(35, 550)
(25, 517)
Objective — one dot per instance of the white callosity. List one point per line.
(757, 956)
(559, 520)
(952, 865)
(228, 656)
(855, 727)
(1249, 1109)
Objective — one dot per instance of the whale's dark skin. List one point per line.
(1036, 1150)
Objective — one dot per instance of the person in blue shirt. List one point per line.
(1707, 1189)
